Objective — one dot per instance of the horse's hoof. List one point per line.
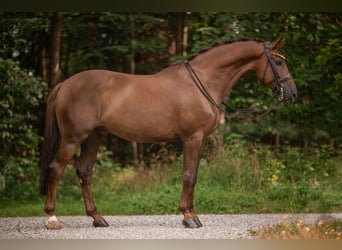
(192, 223)
(100, 223)
(53, 225)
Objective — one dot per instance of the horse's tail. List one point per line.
(51, 141)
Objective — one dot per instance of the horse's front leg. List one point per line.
(192, 149)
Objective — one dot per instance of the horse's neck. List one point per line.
(221, 67)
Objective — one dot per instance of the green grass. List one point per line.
(240, 179)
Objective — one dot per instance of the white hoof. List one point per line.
(53, 223)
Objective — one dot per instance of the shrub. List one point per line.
(21, 100)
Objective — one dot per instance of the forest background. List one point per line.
(288, 160)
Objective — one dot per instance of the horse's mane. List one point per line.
(216, 44)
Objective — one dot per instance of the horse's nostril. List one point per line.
(294, 94)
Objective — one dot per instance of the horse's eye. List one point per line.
(278, 62)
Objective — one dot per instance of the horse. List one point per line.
(179, 103)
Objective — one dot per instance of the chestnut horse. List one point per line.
(181, 102)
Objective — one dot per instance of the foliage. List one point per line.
(141, 43)
(117, 41)
(22, 36)
(242, 178)
(21, 97)
(110, 40)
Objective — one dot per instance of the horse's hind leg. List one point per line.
(64, 154)
(85, 171)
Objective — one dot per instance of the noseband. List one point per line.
(279, 88)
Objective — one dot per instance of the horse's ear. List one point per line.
(278, 44)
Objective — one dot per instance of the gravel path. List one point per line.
(150, 227)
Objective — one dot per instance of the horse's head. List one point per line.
(273, 71)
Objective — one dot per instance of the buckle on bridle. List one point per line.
(281, 93)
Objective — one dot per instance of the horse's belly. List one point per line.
(142, 125)
(142, 131)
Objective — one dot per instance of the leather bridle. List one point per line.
(279, 88)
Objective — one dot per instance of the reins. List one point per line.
(277, 90)
(200, 86)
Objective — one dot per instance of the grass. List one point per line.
(241, 178)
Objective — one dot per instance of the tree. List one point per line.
(179, 35)
(314, 39)
(23, 36)
(54, 64)
(104, 40)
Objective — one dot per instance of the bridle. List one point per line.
(278, 89)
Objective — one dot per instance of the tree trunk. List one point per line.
(66, 58)
(43, 64)
(178, 39)
(135, 145)
(276, 143)
(54, 64)
(185, 39)
(179, 31)
(305, 142)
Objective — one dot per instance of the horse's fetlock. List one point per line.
(49, 211)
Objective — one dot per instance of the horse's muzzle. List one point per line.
(290, 94)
